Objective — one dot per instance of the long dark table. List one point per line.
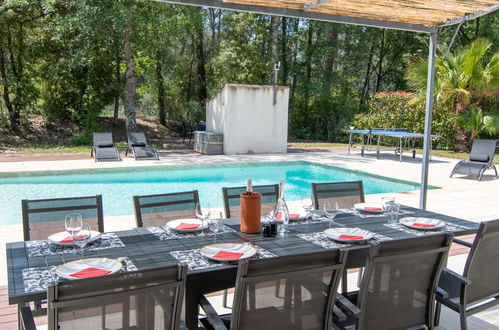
(145, 250)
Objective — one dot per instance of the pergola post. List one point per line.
(428, 116)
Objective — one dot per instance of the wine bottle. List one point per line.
(281, 211)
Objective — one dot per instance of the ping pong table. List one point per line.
(406, 140)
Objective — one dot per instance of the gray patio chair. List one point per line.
(154, 210)
(137, 145)
(308, 284)
(478, 288)
(345, 193)
(43, 217)
(144, 299)
(232, 202)
(481, 159)
(103, 147)
(398, 286)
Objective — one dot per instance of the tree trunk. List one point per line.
(161, 89)
(329, 61)
(130, 84)
(275, 21)
(308, 65)
(13, 114)
(201, 61)
(367, 78)
(379, 74)
(117, 76)
(460, 139)
(284, 57)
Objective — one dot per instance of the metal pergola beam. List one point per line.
(469, 17)
(430, 86)
(307, 15)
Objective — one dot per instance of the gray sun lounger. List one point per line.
(137, 144)
(103, 147)
(481, 159)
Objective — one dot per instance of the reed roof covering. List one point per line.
(415, 15)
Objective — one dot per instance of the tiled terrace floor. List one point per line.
(460, 197)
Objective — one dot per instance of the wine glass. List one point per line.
(215, 222)
(307, 203)
(82, 239)
(73, 223)
(330, 210)
(202, 216)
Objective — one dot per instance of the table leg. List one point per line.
(401, 150)
(19, 321)
(349, 142)
(191, 308)
(377, 146)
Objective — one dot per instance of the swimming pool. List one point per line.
(118, 185)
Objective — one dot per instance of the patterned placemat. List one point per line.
(320, 239)
(39, 278)
(364, 215)
(44, 247)
(195, 260)
(448, 227)
(164, 233)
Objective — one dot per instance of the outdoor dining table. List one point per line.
(31, 265)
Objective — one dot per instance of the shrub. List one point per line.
(398, 109)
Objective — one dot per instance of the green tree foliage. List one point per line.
(65, 60)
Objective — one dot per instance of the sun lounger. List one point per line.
(481, 159)
(137, 144)
(103, 147)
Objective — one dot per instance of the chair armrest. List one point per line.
(212, 316)
(441, 293)
(27, 320)
(453, 274)
(338, 314)
(347, 306)
(461, 242)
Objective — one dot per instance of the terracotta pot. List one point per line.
(251, 208)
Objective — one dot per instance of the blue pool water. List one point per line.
(117, 186)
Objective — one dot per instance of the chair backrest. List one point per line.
(154, 210)
(137, 139)
(399, 283)
(102, 139)
(43, 217)
(291, 292)
(146, 299)
(482, 265)
(483, 150)
(232, 201)
(345, 193)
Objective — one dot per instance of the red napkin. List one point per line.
(90, 272)
(184, 225)
(370, 208)
(290, 216)
(69, 239)
(228, 255)
(424, 225)
(350, 237)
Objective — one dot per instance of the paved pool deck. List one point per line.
(459, 196)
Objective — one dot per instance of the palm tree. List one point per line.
(458, 76)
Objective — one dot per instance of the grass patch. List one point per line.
(46, 149)
(316, 145)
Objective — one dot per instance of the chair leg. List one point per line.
(438, 310)
(462, 316)
(224, 301)
(344, 281)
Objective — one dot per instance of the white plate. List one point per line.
(58, 237)
(66, 270)
(338, 233)
(174, 223)
(210, 251)
(422, 223)
(377, 208)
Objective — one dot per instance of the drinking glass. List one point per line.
(307, 203)
(73, 223)
(202, 216)
(394, 213)
(82, 239)
(215, 222)
(330, 210)
(283, 220)
(387, 201)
